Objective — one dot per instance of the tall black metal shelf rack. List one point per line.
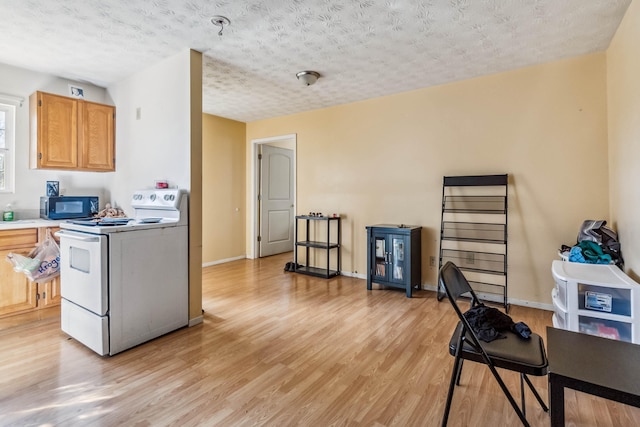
(473, 232)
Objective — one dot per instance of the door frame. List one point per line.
(254, 248)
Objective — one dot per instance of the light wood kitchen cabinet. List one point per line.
(17, 293)
(71, 134)
(97, 140)
(48, 294)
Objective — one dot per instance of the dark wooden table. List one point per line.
(594, 365)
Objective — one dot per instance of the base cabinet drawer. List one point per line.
(606, 328)
(87, 327)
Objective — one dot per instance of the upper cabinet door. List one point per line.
(97, 139)
(71, 134)
(57, 132)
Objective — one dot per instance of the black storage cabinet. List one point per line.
(394, 256)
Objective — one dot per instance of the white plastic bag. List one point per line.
(41, 264)
(23, 264)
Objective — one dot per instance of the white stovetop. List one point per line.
(133, 225)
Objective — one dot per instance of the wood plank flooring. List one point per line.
(275, 349)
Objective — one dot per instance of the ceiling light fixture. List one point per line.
(220, 21)
(308, 77)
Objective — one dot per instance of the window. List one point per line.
(7, 144)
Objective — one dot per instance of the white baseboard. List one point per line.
(356, 275)
(498, 299)
(222, 261)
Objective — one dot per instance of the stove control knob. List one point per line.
(167, 197)
(152, 197)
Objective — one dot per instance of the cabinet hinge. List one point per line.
(259, 197)
(37, 297)
(259, 238)
(39, 156)
(260, 156)
(40, 103)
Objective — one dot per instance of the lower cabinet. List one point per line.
(49, 293)
(394, 256)
(17, 293)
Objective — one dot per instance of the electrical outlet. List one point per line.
(432, 261)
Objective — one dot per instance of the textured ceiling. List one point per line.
(362, 48)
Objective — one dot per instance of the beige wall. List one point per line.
(623, 88)
(223, 179)
(382, 160)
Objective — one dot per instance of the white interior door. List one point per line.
(276, 200)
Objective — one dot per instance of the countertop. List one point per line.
(28, 223)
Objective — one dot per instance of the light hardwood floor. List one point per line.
(275, 349)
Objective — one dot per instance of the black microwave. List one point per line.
(67, 207)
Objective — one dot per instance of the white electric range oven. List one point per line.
(126, 281)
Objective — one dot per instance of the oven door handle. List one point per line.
(76, 236)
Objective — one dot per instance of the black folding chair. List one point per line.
(514, 353)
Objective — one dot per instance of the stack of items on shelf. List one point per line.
(596, 244)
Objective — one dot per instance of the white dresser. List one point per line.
(597, 300)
